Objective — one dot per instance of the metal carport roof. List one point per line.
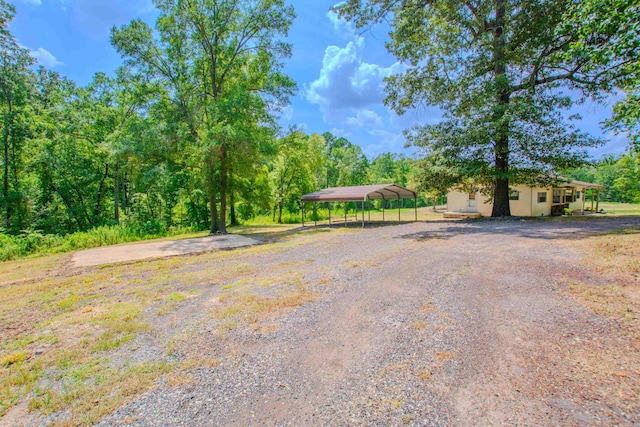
(359, 193)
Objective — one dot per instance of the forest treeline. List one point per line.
(174, 138)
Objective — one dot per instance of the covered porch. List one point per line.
(572, 195)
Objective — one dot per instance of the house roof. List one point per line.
(358, 193)
(575, 183)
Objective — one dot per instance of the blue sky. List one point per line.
(339, 71)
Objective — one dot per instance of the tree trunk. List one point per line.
(8, 119)
(501, 189)
(222, 229)
(232, 208)
(98, 206)
(232, 201)
(5, 182)
(213, 209)
(116, 195)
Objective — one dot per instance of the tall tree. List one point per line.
(346, 163)
(618, 23)
(15, 88)
(293, 168)
(496, 68)
(208, 50)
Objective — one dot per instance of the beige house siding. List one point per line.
(528, 203)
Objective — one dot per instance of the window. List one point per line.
(542, 197)
(569, 196)
(556, 196)
(472, 196)
(514, 195)
(577, 195)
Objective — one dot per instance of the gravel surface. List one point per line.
(426, 324)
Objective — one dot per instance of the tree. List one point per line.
(617, 22)
(293, 168)
(346, 163)
(435, 177)
(496, 68)
(207, 51)
(15, 88)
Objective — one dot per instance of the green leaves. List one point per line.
(494, 68)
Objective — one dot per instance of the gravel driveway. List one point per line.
(426, 324)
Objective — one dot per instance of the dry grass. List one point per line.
(610, 367)
(444, 355)
(615, 256)
(64, 337)
(29, 268)
(424, 374)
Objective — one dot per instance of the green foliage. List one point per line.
(219, 65)
(293, 170)
(495, 68)
(620, 175)
(605, 34)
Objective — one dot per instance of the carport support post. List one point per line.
(329, 207)
(415, 206)
(398, 208)
(345, 214)
(383, 200)
(362, 213)
(315, 214)
(302, 206)
(369, 211)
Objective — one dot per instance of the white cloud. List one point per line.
(386, 142)
(45, 58)
(34, 2)
(347, 82)
(364, 118)
(341, 26)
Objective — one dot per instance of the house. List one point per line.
(529, 201)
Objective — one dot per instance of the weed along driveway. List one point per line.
(156, 249)
(457, 323)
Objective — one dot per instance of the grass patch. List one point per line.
(253, 308)
(36, 243)
(619, 208)
(614, 255)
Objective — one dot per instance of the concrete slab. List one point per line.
(155, 249)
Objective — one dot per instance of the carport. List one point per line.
(358, 193)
